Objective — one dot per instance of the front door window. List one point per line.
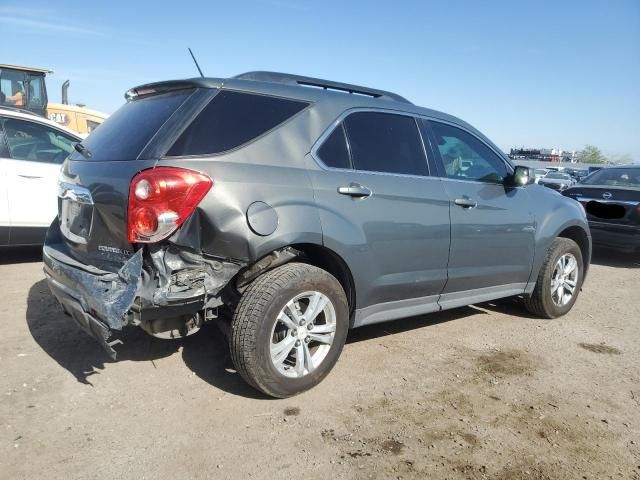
(467, 158)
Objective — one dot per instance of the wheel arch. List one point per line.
(325, 258)
(580, 236)
(311, 253)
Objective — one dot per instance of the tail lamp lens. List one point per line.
(161, 199)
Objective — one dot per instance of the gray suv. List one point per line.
(290, 209)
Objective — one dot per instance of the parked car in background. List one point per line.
(556, 180)
(581, 175)
(539, 173)
(611, 198)
(32, 149)
(301, 212)
(574, 173)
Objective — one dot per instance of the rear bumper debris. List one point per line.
(152, 286)
(98, 301)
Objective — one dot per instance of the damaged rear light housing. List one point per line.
(161, 199)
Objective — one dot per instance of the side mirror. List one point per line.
(521, 176)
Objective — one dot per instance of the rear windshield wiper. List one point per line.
(82, 150)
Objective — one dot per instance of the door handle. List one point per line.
(355, 190)
(31, 177)
(466, 202)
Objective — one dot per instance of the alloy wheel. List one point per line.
(564, 279)
(303, 334)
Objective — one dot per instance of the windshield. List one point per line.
(21, 89)
(124, 134)
(624, 177)
(558, 176)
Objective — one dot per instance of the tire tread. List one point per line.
(249, 314)
(536, 302)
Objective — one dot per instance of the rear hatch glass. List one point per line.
(231, 120)
(124, 135)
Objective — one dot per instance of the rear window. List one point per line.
(615, 177)
(124, 134)
(383, 142)
(232, 119)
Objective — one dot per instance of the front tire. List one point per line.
(559, 280)
(288, 329)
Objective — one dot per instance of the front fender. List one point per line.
(554, 215)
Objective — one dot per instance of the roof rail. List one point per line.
(291, 79)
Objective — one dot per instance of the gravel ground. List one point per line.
(478, 392)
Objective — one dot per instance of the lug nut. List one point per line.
(310, 326)
(297, 343)
(302, 322)
(307, 340)
(294, 333)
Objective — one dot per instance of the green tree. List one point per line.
(591, 154)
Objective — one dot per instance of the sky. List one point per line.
(541, 73)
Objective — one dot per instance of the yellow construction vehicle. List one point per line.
(24, 88)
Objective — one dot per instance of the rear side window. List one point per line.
(383, 142)
(232, 119)
(124, 134)
(333, 151)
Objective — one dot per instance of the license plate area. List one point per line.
(75, 207)
(605, 211)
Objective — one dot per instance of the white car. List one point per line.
(539, 173)
(557, 181)
(32, 149)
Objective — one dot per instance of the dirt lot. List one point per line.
(477, 392)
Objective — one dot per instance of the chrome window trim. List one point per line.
(338, 121)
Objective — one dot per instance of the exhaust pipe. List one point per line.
(65, 94)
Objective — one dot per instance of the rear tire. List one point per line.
(550, 297)
(277, 344)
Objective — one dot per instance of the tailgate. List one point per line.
(92, 211)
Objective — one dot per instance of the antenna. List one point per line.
(196, 62)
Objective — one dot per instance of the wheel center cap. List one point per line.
(302, 333)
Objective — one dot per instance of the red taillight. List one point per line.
(161, 199)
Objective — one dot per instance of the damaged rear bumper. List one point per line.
(149, 288)
(98, 301)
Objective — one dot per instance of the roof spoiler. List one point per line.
(289, 79)
(163, 87)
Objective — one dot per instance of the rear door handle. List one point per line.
(466, 202)
(355, 190)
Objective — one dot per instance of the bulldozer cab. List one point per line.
(23, 88)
